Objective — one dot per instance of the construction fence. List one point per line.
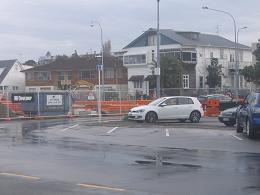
(84, 103)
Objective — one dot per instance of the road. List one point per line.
(81, 156)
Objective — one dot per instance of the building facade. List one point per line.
(70, 73)
(11, 77)
(195, 50)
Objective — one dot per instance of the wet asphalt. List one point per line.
(81, 156)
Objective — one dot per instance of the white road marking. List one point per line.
(69, 127)
(110, 131)
(100, 187)
(19, 175)
(167, 132)
(237, 137)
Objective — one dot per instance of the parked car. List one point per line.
(177, 107)
(248, 115)
(228, 116)
(222, 98)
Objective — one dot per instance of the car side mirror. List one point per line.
(163, 104)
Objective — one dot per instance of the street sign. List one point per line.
(99, 67)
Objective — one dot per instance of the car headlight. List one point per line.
(140, 111)
(227, 113)
(256, 110)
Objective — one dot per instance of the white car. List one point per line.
(176, 107)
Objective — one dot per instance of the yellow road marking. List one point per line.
(100, 187)
(19, 175)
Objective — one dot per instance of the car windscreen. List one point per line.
(157, 101)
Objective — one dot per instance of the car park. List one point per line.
(181, 108)
(228, 116)
(248, 115)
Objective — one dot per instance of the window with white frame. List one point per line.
(221, 53)
(232, 57)
(65, 75)
(29, 76)
(211, 55)
(185, 81)
(135, 59)
(88, 74)
(44, 76)
(138, 84)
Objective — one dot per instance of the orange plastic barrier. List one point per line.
(112, 106)
(212, 108)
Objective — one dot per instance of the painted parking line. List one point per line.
(69, 127)
(167, 132)
(91, 186)
(20, 176)
(110, 131)
(240, 139)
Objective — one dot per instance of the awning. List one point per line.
(150, 77)
(136, 78)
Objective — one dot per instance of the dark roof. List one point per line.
(186, 38)
(7, 65)
(136, 78)
(77, 64)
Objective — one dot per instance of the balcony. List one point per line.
(232, 65)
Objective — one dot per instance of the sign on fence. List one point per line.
(27, 97)
(54, 100)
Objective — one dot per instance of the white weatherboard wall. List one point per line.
(203, 60)
(15, 77)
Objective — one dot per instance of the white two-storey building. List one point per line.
(194, 49)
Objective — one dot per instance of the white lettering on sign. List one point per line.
(54, 100)
(22, 98)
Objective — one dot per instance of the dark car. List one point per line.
(222, 98)
(228, 117)
(248, 115)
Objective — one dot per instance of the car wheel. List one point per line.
(182, 120)
(229, 124)
(139, 121)
(151, 117)
(195, 117)
(250, 131)
(239, 128)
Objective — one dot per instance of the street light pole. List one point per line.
(100, 69)
(238, 62)
(236, 53)
(158, 83)
(102, 50)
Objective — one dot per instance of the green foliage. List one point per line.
(214, 74)
(249, 73)
(257, 65)
(252, 73)
(171, 70)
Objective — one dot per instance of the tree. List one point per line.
(214, 74)
(257, 65)
(61, 57)
(48, 54)
(171, 70)
(30, 63)
(249, 73)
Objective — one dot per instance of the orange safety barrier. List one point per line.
(14, 107)
(212, 108)
(112, 106)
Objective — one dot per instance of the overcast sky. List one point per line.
(30, 28)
